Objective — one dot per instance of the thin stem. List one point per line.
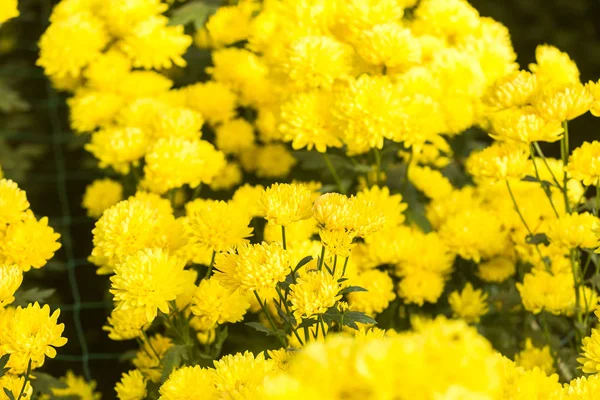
(405, 182)
(264, 308)
(543, 157)
(377, 164)
(210, 267)
(544, 188)
(512, 196)
(283, 236)
(345, 265)
(322, 258)
(26, 380)
(334, 264)
(320, 321)
(334, 173)
(597, 204)
(150, 345)
(306, 334)
(564, 154)
(287, 310)
(196, 191)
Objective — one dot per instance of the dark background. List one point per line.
(38, 150)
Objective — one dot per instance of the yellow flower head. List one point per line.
(469, 304)
(241, 375)
(306, 121)
(190, 383)
(11, 277)
(177, 122)
(31, 334)
(574, 230)
(524, 125)
(283, 204)
(132, 386)
(86, 37)
(513, 90)
(497, 269)
(337, 242)
(314, 293)
(230, 176)
(391, 204)
(92, 109)
(247, 198)
(149, 279)
(214, 304)
(218, 225)
(554, 68)
(390, 45)
(448, 18)
(13, 202)
(380, 291)
(234, 136)
(542, 290)
(498, 162)
(230, 24)
(584, 163)
(100, 195)
(8, 10)
(273, 161)
(563, 104)
(118, 148)
(29, 243)
(590, 356)
(430, 181)
(420, 286)
(214, 100)
(535, 357)
(14, 384)
(313, 62)
(255, 267)
(127, 324)
(153, 44)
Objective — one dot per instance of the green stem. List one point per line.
(264, 308)
(334, 264)
(210, 267)
(283, 236)
(322, 258)
(287, 310)
(320, 321)
(543, 157)
(564, 154)
(26, 380)
(546, 190)
(597, 205)
(345, 265)
(405, 182)
(150, 345)
(334, 173)
(377, 164)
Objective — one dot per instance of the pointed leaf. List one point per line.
(351, 289)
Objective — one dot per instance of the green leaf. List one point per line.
(307, 323)
(9, 394)
(173, 358)
(196, 13)
(3, 362)
(261, 328)
(24, 297)
(44, 383)
(303, 262)
(219, 340)
(351, 289)
(351, 317)
(538, 238)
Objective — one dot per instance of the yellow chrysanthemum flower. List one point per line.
(13, 202)
(379, 294)
(498, 162)
(150, 279)
(14, 384)
(535, 357)
(272, 161)
(122, 16)
(524, 125)
(177, 122)
(563, 104)
(584, 163)
(191, 383)
(214, 304)
(132, 386)
(430, 181)
(11, 277)
(153, 44)
(590, 356)
(100, 195)
(497, 269)
(230, 24)
(254, 268)
(554, 68)
(214, 100)
(390, 45)
(92, 109)
(127, 324)
(231, 175)
(29, 243)
(174, 162)
(77, 386)
(118, 148)
(30, 335)
(542, 290)
(234, 136)
(218, 226)
(283, 204)
(574, 230)
(8, 10)
(241, 375)
(513, 90)
(146, 360)
(314, 293)
(469, 304)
